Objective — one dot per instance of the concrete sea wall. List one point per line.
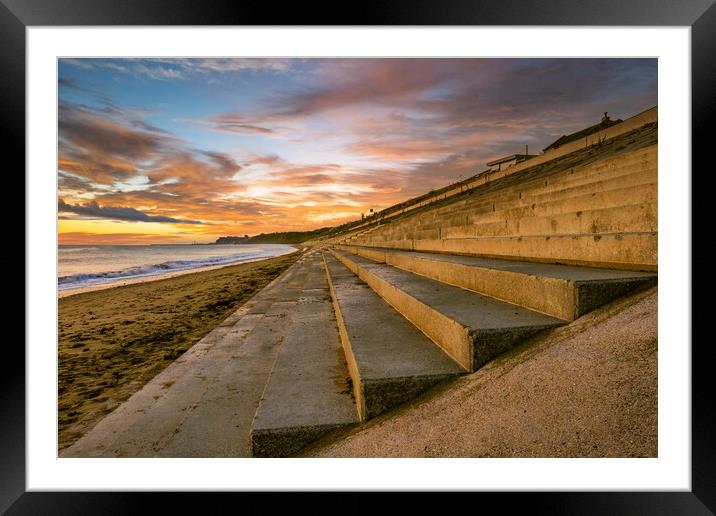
(595, 206)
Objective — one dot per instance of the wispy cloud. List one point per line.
(146, 126)
(92, 209)
(158, 72)
(237, 123)
(180, 69)
(226, 65)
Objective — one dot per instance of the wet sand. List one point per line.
(112, 341)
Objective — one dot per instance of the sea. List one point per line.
(81, 266)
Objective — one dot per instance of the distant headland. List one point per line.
(288, 237)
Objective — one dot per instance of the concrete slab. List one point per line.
(626, 251)
(389, 359)
(470, 327)
(523, 222)
(308, 394)
(566, 272)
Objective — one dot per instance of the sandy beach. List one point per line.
(112, 341)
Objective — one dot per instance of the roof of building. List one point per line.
(606, 122)
(518, 157)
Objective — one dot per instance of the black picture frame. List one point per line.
(700, 15)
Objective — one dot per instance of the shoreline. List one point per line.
(61, 294)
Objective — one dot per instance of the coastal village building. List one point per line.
(508, 161)
(604, 124)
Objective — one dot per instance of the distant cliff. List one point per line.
(288, 237)
(232, 240)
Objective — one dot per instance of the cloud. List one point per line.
(97, 134)
(90, 63)
(104, 150)
(158, 72)
(92, 209)
(198, 176)
(68, 83)
(74, 183)
(167, 69)
(271, 159)
(228, 65)
(236, 123)
(145, 126)
(455, 94)
(226, 165)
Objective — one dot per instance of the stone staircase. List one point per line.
(598, 207)
(406, 321)
(341, 337)
(443, 289)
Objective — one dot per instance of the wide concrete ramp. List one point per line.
(203, 404)
(308, 393)
(389, 359)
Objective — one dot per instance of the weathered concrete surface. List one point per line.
(629, 135)
(390, 360)
(626, 251)
(588, 389)
(561, 291)
(202, 405)
(600, 210)
(470, 327)
(308, 393)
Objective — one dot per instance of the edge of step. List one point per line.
(379, 390)
(560, 291)
(461, 334)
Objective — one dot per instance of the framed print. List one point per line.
(428, 239)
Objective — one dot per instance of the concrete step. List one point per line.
(389, 359)
(609, 193)
(495, 218)
(641, 217)
(625, 164)
(470, 327)
(628, 251)
(562, 291)
(363, 233)
(607, 174)
(622, 167)
(644, 159)
(615, 199)
(637, 155)
(307, 394)
(522, 195)
(632, 180)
